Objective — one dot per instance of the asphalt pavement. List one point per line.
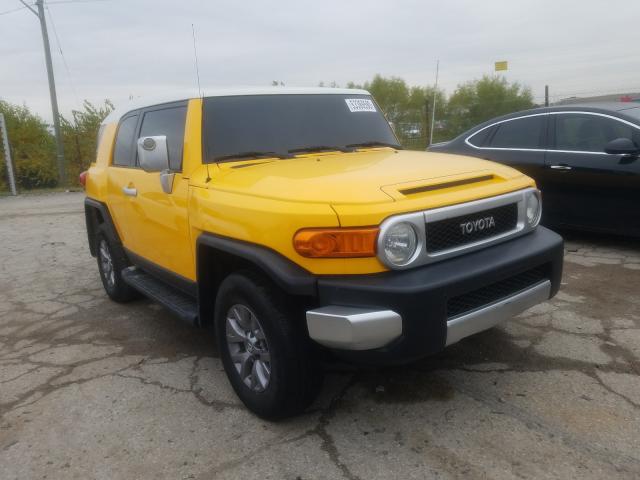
(93, 389)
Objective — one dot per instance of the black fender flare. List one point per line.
(289, 276)
(96, 213)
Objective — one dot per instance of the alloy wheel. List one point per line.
(248, 347)
(107, 264)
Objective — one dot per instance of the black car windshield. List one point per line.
(282, 124)
(632, 112)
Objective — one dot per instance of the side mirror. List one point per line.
(622, 146)
(153, 153)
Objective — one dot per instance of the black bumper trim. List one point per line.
(420, 296)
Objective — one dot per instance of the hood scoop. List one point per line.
(449, 184)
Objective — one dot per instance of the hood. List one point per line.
(363, 177)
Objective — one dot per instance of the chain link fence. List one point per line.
(7, 177)
(415, 136)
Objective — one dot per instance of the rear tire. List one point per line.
(266, 353)
(111, 261)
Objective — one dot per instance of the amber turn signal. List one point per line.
(336, 243)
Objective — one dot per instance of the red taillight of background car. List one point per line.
(83, 178)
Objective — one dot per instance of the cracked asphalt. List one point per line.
(93, 389)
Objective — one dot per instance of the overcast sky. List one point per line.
(117, 48)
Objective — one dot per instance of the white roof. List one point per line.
(143, 102)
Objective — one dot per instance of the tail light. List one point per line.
(83, 178)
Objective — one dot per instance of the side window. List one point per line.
(123, 152)
(479, 139)
(168, 122)
(590, 133)
(521, 133)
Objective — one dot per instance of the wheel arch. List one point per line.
(96, 216)
(219, 256)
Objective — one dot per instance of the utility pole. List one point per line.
(433, 106)
(62, 177)
(426, 121)
(546, 95)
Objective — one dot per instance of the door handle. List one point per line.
(561, 167)
(130, 191)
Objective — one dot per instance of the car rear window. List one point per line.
(280, 123)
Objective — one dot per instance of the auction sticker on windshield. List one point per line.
(360, 105)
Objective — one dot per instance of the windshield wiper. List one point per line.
(320, 148)
(375, 143)
(257, 154)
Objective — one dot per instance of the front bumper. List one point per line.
(400, 316)
(489, 316)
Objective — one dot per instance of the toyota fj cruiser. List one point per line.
(293, 223)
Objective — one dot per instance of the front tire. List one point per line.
(266, 354)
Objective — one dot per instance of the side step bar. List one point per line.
(184, 306)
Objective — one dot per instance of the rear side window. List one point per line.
(168, 122)
(521, 133)
(479, 139)
(123, 152)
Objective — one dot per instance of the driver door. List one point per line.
(156, 222)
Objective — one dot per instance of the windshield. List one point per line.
(279, 125)
(632, 112)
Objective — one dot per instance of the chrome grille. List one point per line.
(468, 229)
(439, 230)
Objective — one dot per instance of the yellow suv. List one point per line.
(292, 221)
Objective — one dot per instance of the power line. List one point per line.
(60, 2)
(57, 2)
(64, 59)
(17, 9)
(30, 7)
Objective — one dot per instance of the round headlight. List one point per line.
(400, 243)
(534, 208)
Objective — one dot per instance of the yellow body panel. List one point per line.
(153, 224)
(159, 222)
(268, 200)
(363, 177)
